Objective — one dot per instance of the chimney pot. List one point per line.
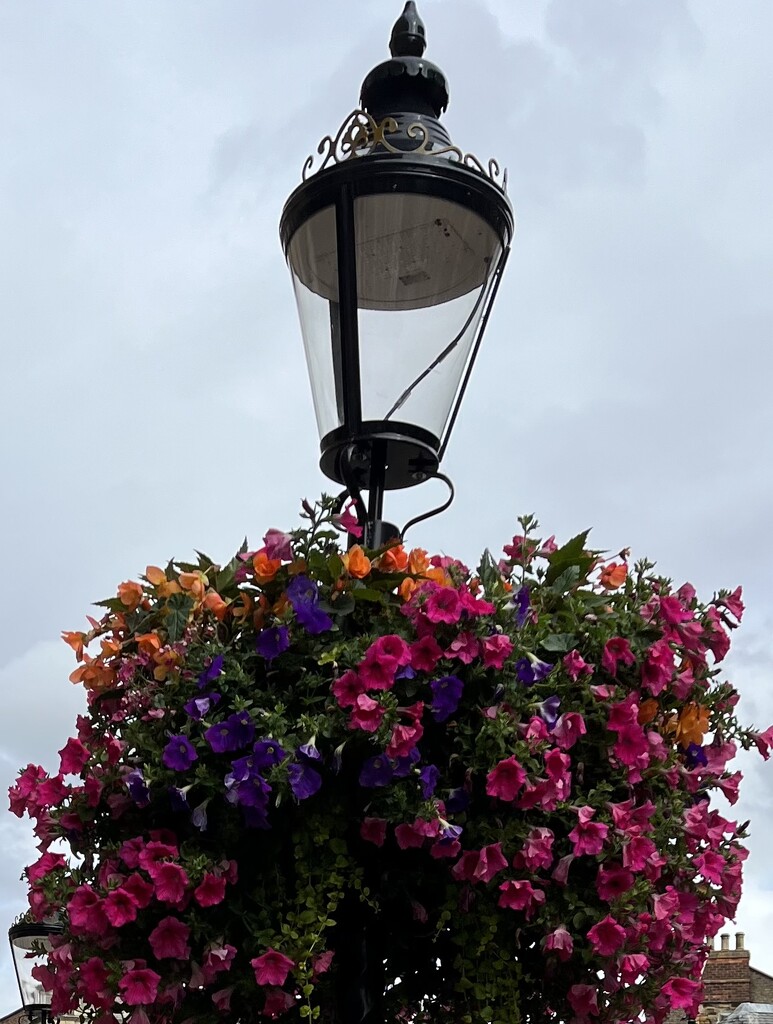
(739, 940)
(725, 938)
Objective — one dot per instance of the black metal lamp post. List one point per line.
(396, 245)
(30, 942)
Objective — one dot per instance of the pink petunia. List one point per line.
(366, 714)
(465, 647)
(210, 891)
(169, 940)
(139, 890)
(658, 667)
(584, 1001)
(403, 739)
(616, 650)
(93, 983)
(568, 729)
(272, 968)
(425, 654)
(559, 942)
(537, 850)
(683, 994)
(443, 604)
(612, 881)
(373, 830)
(505, 779)
(377, 672)
(607, 936)
(139, 987)
(278, 545)
(73, 757)
(521, 895)
(170, 882)
(496, 649)
(575, 665)
(587, 837)
(86, 912)
(491, 861)
(391, 646)
(347, 688)
(120, 907)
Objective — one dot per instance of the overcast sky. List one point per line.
(154, 393)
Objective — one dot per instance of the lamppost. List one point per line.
(30, 942)
(396, 243)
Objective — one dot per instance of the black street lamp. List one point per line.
(30, 943)
(396, 245)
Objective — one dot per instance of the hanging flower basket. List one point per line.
(317, 782)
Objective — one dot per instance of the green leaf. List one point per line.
(559, 642)
(568, 579)
(367, 594)
(113, 604)
(572, 553)
(488, 572)
(176, 614)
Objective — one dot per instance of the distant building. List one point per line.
(735, 992)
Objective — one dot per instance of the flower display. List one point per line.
(502, 777)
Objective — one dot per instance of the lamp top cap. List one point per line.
(409, 39)
(407, 81)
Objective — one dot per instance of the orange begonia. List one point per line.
(265, 568)
(155, 576)
(356, 562)
(692, 724)
(130, 594)
(215, 603)
(613, 575)
(418, 562)
(76, 641)
(194, 582)
(406, 589)
(647, 711)
(394, 560)
(94, 675)
(149, 643)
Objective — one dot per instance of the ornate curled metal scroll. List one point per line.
(360, 135)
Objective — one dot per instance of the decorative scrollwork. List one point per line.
(361, 135)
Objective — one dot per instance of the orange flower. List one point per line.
(613, 575)
(418, 562)
(215, 603)
(155, 576)
(76, 641)
(94, 675)
(195, 582)
(647, 711)
(166, 661)
(130, 594)
(692, 724)
(110, 648)
(394, 560)
(437, 575)
(149, 643)
(246, 607)
(406, 589)
(356, 562)
(265, 568)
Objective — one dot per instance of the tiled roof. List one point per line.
(750, 1013)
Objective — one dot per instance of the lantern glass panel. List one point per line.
(312, 256)
(425, 267)
(25, 959)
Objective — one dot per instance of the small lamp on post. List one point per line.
(30, 941)
(396, 245)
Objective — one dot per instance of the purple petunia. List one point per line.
(304, 780)
(458, 800)
(376, 771)
(179, 753)
(446, 694)
(178, 799)
(428, 780)
(548, 710)
(267, 753)
(521, 606)
(138, 790)
(531, 670)
(253, 792)
(270, 643)
(696, 755)
(197, 707)
(211, 672)
(403, 766)
(303, 595)
(233, 733)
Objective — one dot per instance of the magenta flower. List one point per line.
(366, 714)
(120, 907)
(373, 830)
(391, 646)
(683, 994)
(607, 936)
(425, 654)
(443, 604)
(613, 881)
(537, 850)
(521, 896)
(588, 836)
(169, 940)
(559, 942)
(465, 647)
(278, 546)
(347, 688)
(170, 882)
(94, 985)
(505, 779)
(377, 672)
(575, 666)
(86, 912)
(616, 650)
(179, 753)
(272, 968)
(491, 861)
(73, 757)
(584, 1000)
(496, 649)
(210, 891)
(139, 987)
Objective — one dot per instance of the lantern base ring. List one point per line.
(396, 455)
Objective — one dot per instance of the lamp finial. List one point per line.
(408, 36)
